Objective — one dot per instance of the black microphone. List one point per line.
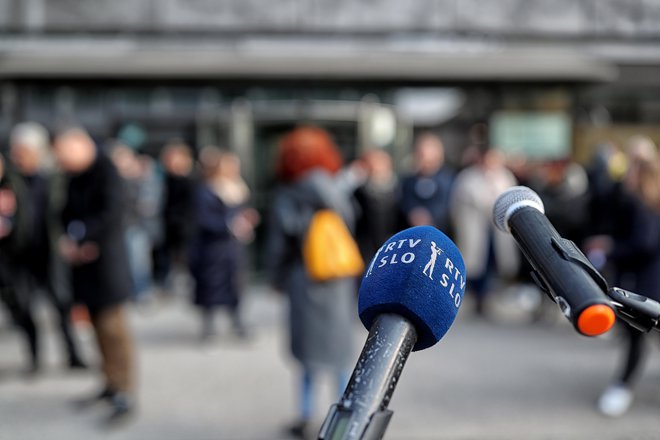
(559, 267)
(408, 299)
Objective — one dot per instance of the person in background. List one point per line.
(94, 246)
(141, 211)
(378, 199)
(634, 250)
(425, 194)
(606, 169)
(321, 314)
(224, 224)
(487, 252)
(8, 238)
(177, 212)
(565, 183)
(35, 264)
(7, 202)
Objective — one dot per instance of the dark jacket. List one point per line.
(12, 244)
(34, 202)
(93, 213)
(432, 193)
(34, 260)
(215, 254)
(178, 210)
(17, 242)
(378, 217)
(636, 251)
(322, 314)
(572, 192)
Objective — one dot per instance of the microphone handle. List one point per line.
(559, 266)
(362, 411)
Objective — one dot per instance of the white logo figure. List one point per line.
(435, 251)
(373, 261)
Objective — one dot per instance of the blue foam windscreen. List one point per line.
(418, 274)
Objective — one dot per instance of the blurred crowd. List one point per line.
(104, 225)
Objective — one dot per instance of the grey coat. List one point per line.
(321, 315)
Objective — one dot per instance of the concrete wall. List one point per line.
(515, 18)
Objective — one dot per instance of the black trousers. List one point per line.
(637, 349)
(25, 285)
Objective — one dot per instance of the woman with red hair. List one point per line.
(321, 313)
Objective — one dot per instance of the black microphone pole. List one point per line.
(362, 411)
(638, 311)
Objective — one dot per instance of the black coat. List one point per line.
(378, 217)
(29, 257)
(17, 243)
(33, 200)
(95, 202)
(12, 244)
(178, 210)
(215, 254)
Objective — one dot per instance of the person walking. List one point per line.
(93, 244)
(487, 251)
(378, 199)
(177, 217)
(35, 265)
(634, 250)
(308, 169)
(224, 224)
(425, 194)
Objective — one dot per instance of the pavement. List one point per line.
(501, 378)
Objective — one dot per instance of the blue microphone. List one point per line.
(409, 297)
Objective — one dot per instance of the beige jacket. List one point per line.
(471, 206)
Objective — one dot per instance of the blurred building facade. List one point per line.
(240, 72)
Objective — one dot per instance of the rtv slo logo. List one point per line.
(403, 252)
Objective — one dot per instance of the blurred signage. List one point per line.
(536, 135)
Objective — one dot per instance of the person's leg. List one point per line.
(237, 321)
(480, 285)
(306, 405)
(144, 275)
(306, 395)
(54, 286)
(160, 264)
(618, 397)
(636, 351)
(208, 322)
(236, 288)
(343, 377)
(29, 328)
(140, 261)
(116, 347)
(477, 287)
(24, 317)
(98, 324)
(234, 307)
(66, 329)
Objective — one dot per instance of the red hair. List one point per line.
(304, 149)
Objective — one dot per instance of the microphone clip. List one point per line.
(570, 252)
(638, 311)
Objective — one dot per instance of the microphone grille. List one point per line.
(510, 201)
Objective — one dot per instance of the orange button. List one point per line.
(596, 320)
